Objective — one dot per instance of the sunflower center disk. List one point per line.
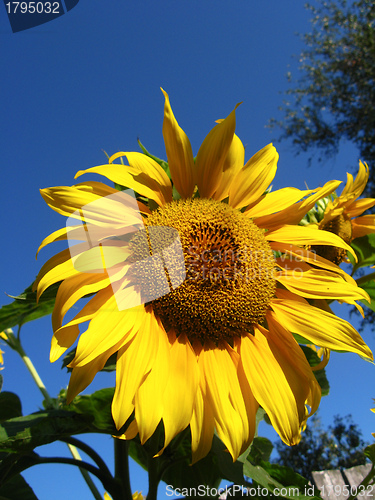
(341, 226)
(228, 268)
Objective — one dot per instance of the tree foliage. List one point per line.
(333, 98)
(341, 445)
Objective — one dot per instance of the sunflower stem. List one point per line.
(90, 483)
(153, 478)
(122, 468)
(366, 481)
(15, 343)
(365, 278)
(154, 472)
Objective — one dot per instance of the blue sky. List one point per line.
(90, 80)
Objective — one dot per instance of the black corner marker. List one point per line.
(28, 14)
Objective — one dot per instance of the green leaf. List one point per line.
(25, 308)
(370, 452)
(232, 471)
(175, 463)
(10, 406)
(278, 480)
(13, 464)
(98, 407)
(1, 381)
(91, 413)
(260, 450)
(364, 248)
(300, 339)
(369, 287)
(17, 488)
(23, 434)
(320, 375)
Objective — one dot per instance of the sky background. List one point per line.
(90, 81)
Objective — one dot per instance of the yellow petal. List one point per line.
(202, 427)
(106, 329)
(301, 254)
(232, 165)
(356, 188)
(60, 234)
(56, 269)
(142, 164)
(179, 152)
(319, 327)
(130, 432)
(82, 376)
(71, 290)
(277, 200)
(318, 284)
(138, 496)
(363, 225)
(178, 403)
(134, 362)
(143, 175)
(65, 336)
(150, 395)
(305, 235)
(295, 365)
(270, 385)
(224, 396)
(359, 206)
(65, 199)
(102, 258)
(212, 153)
(294, 213)
(251, 404)
(324, 361)
(254, 178)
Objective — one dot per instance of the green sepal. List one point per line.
(25, 308)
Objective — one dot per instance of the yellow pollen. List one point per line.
(228, 267)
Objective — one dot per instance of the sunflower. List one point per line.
(340, 215)
(198, 285)
(3, 335)
(136, 496)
